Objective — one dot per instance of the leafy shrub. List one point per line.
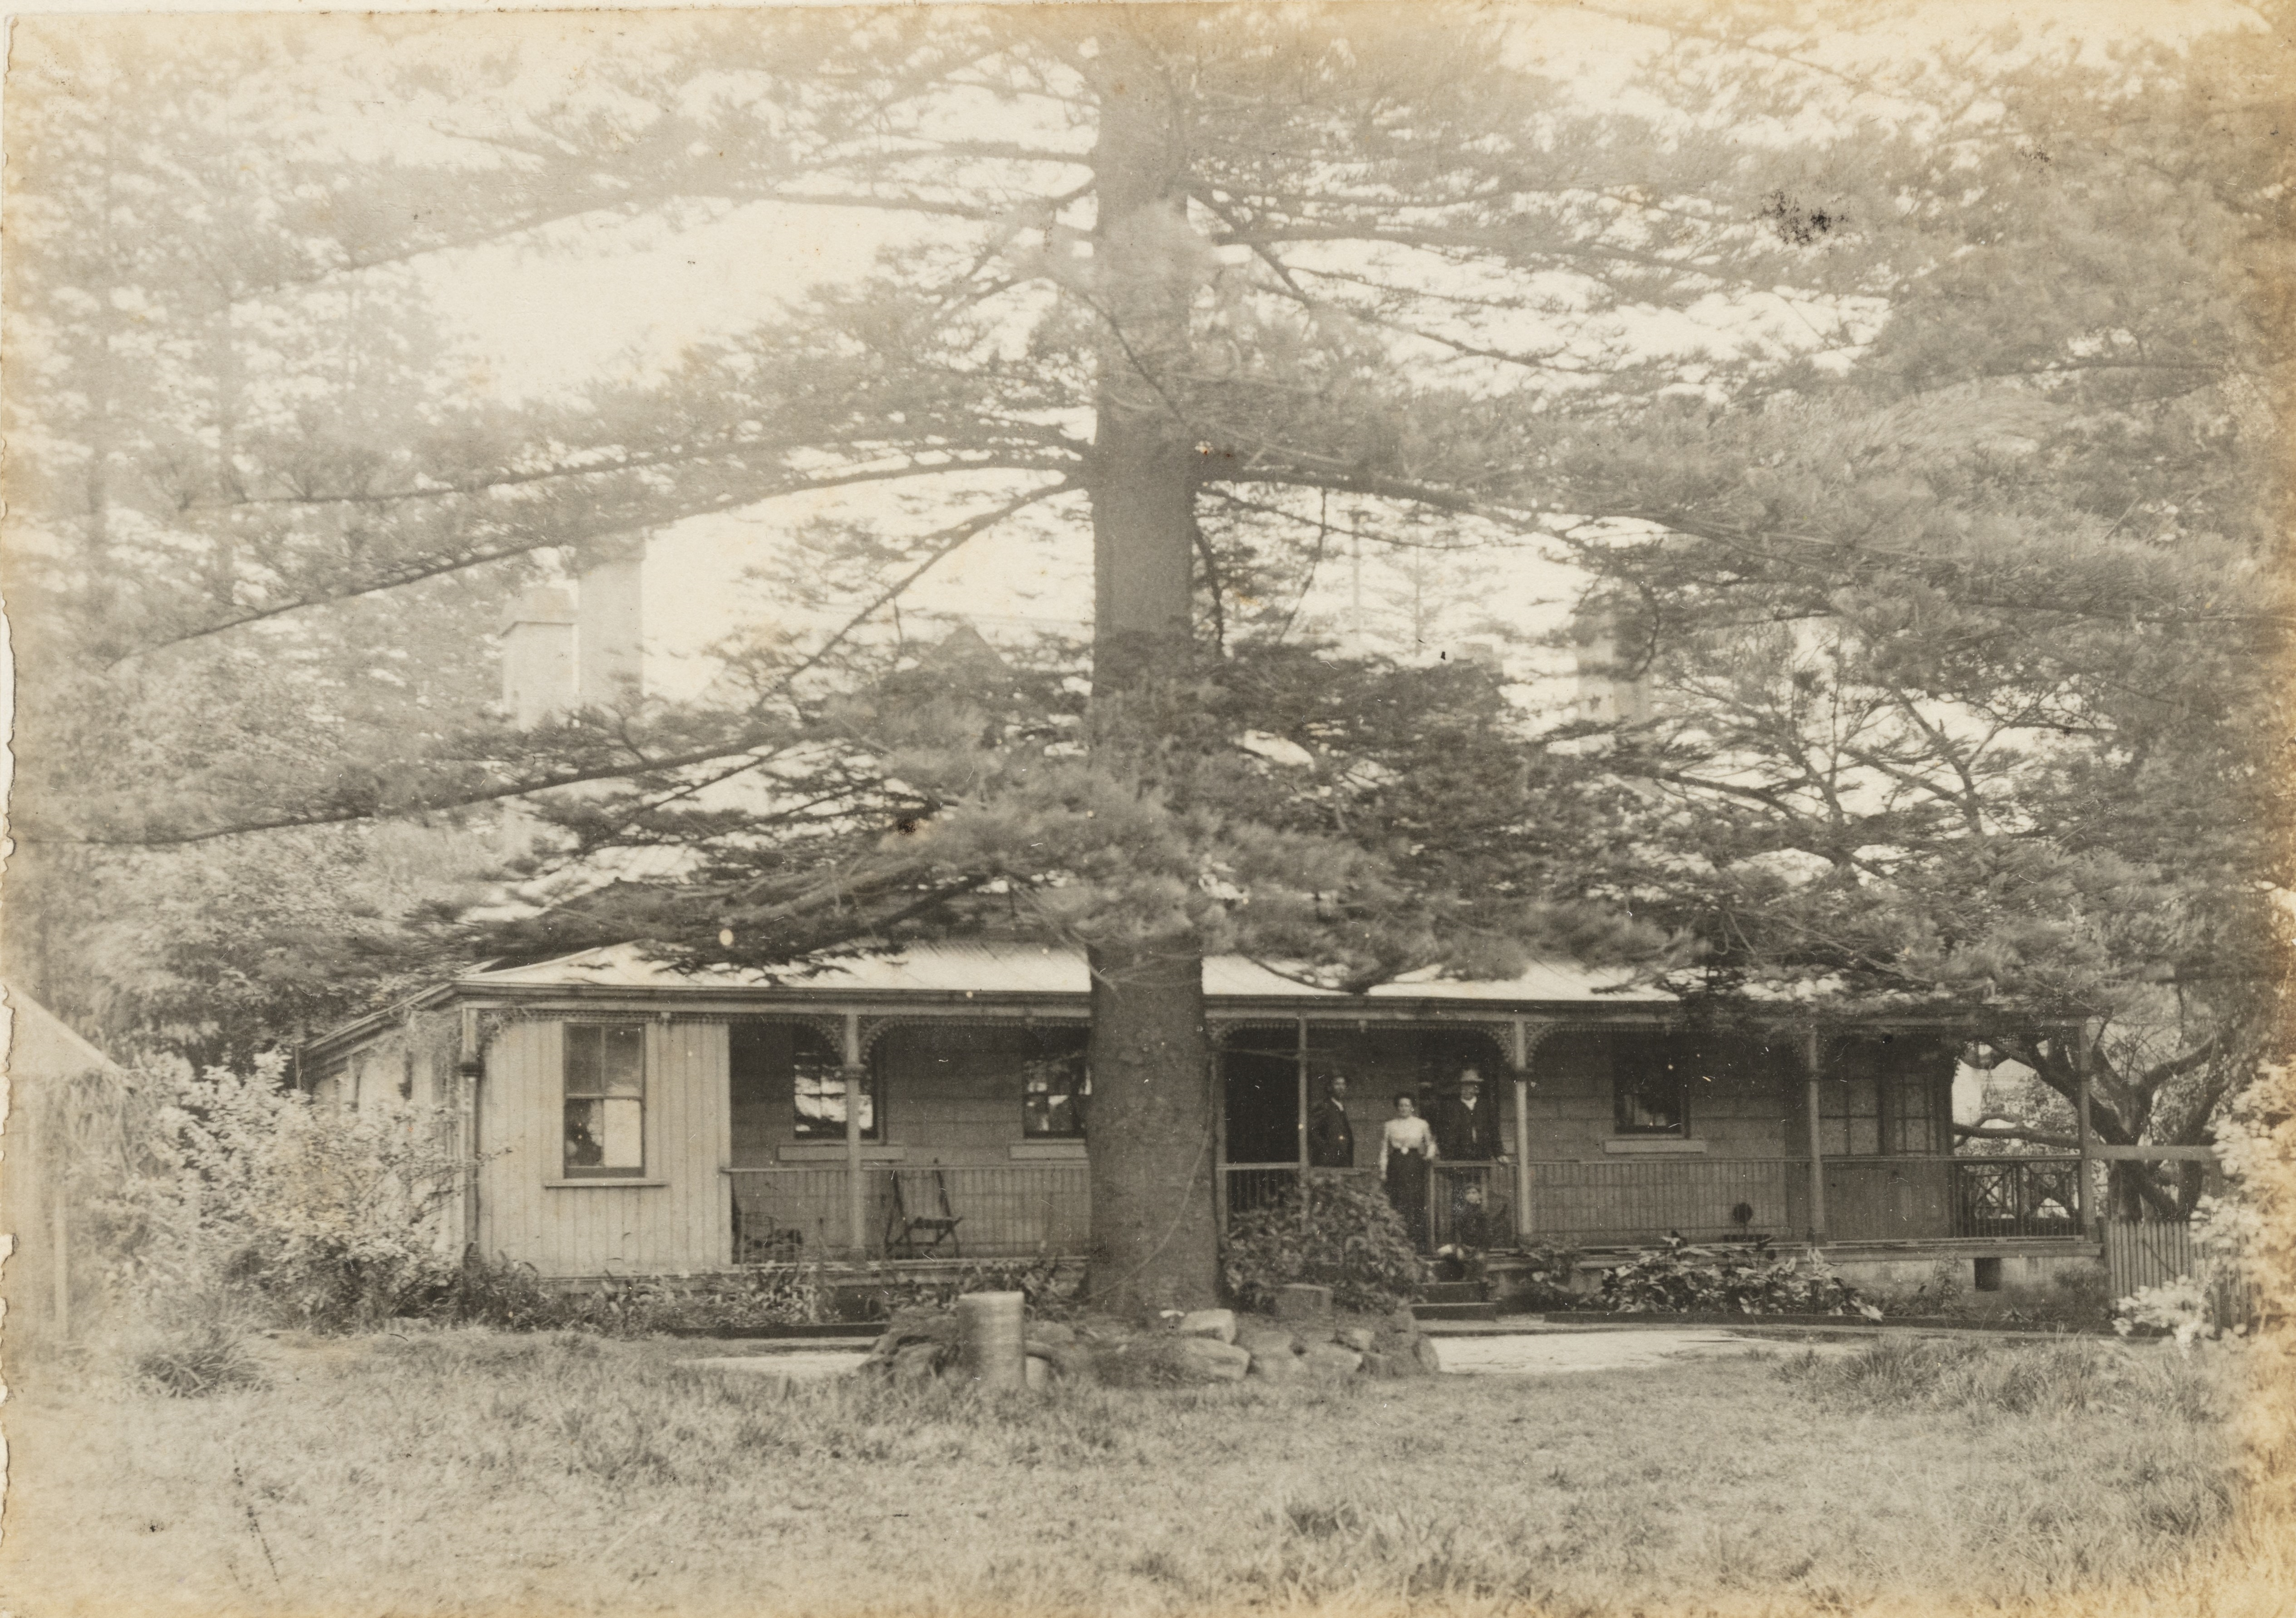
(506, 1295)
(1739, 1279)
(1547, 1280)
(240, 1186)
(202, 1357)
(1351, 1240)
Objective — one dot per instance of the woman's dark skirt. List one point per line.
(1406, 1188)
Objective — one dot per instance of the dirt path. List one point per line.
(1554, 1353)
(1484, 1354)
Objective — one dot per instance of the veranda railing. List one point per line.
(783, 1214)
(789, 1214)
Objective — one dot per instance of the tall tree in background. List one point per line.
(185, 360)
(1967, 662)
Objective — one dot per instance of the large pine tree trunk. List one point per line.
(1154, 1240)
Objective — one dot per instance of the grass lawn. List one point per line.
(470, 1472)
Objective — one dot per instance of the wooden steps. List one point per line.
(1455, 1301)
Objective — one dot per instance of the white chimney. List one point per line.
(612, 620)
(537, 655)
(1606, 693)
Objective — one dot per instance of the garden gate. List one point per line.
(2147, 1253)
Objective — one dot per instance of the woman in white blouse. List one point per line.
(1405, 1148)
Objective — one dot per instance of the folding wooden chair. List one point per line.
(921, 1208)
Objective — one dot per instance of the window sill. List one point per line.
(833, 1151)
(1633, 1145)
(601, 1182)
(1071, 1150)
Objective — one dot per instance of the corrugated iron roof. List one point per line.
(978, 966)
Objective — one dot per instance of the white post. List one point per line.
(469, 1067)
(1817, 1141)
(2080, 1181)
(1301, 1063)
(856, 1207)
(991, 1339)
(1521, 1056)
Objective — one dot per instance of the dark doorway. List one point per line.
(1262, 1076)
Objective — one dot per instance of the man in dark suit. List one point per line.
(1331, 1137)
(1467, 1130)
(1467, 1127)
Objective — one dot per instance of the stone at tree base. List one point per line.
(1304, 1304)
(1071, 1360)
(1213, 1359)
(1356, 1338)
(1039, 1372)
(917, 1362)
(1259, 1340)
(1423, 1349)
(909, 1326)
(1330, 1359)
(1395, 1345)
(1219, 1323)
(1280, 1366)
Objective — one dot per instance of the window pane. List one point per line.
(586, 1133)
(820, 1093)
(582, 1077)
(604, 1098)
(1865, 1136)
(1833, 1137)
(622, 1134)
(1650, 1105)
(1046, 1115)
(1053, 1090)
(820, 1100)
(624, 1060)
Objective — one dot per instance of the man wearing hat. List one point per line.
(1467, 1130)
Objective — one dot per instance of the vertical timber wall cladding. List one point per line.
(680, 1218)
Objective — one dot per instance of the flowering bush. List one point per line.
(2179, 1308)
(1739, 1279)
(1352, 1241)
(330, 1217)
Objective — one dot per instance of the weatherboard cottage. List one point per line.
(933, 1102)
